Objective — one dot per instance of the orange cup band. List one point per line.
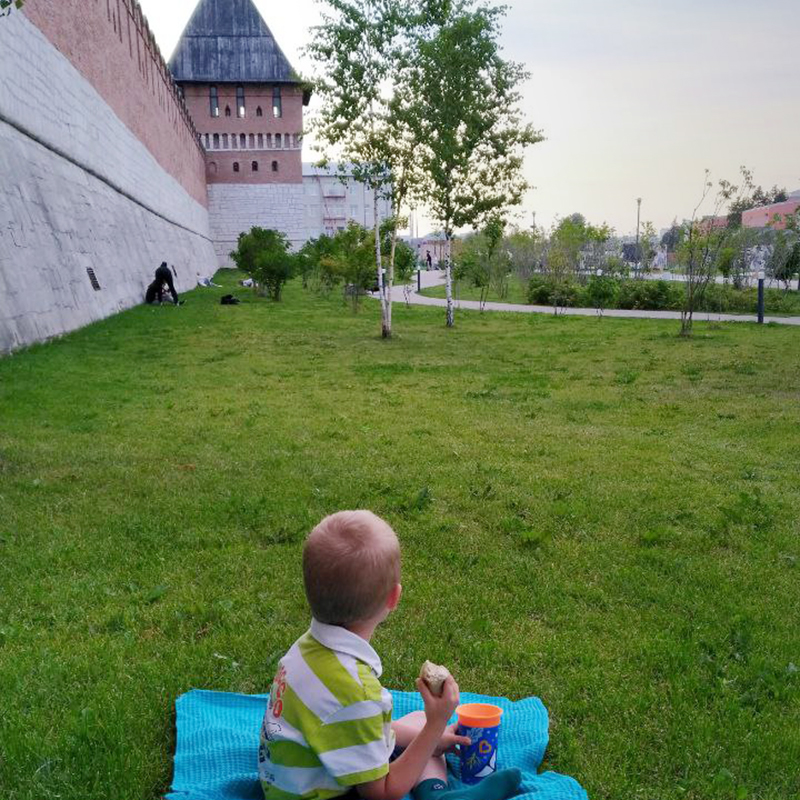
(479, 715)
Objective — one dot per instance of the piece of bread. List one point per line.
(434, 676)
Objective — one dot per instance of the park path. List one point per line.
(430, 279)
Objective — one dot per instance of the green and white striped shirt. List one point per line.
(328, 724)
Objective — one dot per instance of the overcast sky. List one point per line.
(636, 97)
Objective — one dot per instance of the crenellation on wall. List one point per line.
(102, 49)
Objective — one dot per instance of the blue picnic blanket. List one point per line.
(216, 756)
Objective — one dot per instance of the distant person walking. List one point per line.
(155, 291)
(429, 259)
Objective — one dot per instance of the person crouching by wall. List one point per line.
(155, 291)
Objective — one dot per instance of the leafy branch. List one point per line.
(7, 5)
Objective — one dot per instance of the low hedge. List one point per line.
(647, 295)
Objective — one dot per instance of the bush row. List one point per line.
(647, 295)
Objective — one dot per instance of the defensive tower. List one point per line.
(247, 103)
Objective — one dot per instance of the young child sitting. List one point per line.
(328, 729)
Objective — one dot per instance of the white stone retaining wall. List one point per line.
(78, 190)
(236, 208)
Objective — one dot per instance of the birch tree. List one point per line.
(359, 49)
(703, 242)
(468, 128)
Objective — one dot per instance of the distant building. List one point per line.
(333, 199)
(773, 216)
(708, 224)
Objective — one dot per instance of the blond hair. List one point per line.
(351, 563)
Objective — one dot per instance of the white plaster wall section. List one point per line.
(78, 190)
(236, 208)
(55, 221)
(49, 99)
(330, 204)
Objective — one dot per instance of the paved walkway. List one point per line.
(430, 279)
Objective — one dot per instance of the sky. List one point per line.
(636, 98)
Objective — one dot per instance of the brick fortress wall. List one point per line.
(99, 169)
(110, 43)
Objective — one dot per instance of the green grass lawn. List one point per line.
(593, 511)
(462, 290)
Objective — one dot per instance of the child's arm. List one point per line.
(406, 770)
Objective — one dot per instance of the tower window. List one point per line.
(243, 141)
(225, 141)
(277, 103)
(216, 141)
(260, 141)
(214, 99)
(252, 141)
(255, 166)
(207, 141)
(240, 109)
(278, 140)
(212, 167)
(274, 166)
(235, 166)
(227, 111)
(259, 112)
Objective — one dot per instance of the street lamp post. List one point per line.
(761, 277)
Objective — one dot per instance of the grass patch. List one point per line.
(592, 511)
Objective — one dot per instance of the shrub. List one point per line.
(540, 291)
(548, 291)
(650, 295)
(602, 291)
(264, 255)
(645, 295)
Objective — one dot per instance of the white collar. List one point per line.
(344, 641)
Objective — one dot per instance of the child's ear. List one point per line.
(394, 597)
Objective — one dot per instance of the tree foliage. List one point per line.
(309, 262)
(350, 261)
(466, 123)
(755, 197)
(703, 244)
(265, 256)
(671, 239)
(484, 262)
(7, 5)
(359, 49)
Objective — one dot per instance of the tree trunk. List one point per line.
(688, 313)
(390, 275)
(449, 279)
(386, 321)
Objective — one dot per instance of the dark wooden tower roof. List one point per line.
(227, 41)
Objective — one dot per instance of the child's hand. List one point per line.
(450, 740)
(438, 710)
